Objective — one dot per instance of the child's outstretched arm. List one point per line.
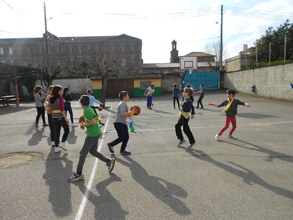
(247, 105)
(211, 104)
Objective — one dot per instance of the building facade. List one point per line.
(120, 52)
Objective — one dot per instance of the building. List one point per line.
(245, 57)
(121, 52)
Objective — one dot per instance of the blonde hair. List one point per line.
(189, 91)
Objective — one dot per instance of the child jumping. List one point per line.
(121, 125)
(91, 141)
(231, 105)
(184, 118)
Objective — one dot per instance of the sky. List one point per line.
(194, 24)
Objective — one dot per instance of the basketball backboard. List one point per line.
(188, 63)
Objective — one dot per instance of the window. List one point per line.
(58, 61)
(70, 49)
(123, 62)
(122, 47)
(71, 63)
(28, 50)
(19, 51)
(10, 51)
(40, 49)
(57, 49)
(80, 49)
(1, 50)
(98, 48)
(132, 62)
(131, 47)
(113, 48)
(49, 49)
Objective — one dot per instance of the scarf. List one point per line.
(228, 105)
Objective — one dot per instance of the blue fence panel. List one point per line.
(209, 79)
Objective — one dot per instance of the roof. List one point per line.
(198, 54)
(161, 65)
(121, 37)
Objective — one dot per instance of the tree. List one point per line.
(275, 38)
(214, 48)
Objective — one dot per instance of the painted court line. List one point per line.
(92, 177)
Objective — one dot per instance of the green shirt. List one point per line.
(92, 130)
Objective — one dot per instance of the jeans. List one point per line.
(58, 123)
(90, 145)
(228, 120)
(67, 107)
(123, 135)
(183, 121)
(149, 101)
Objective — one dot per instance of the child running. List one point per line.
(49, 113)
(121, 125)
(91, 141)
(231, 105)
(59, 118)
(184, 118)
(201, 95)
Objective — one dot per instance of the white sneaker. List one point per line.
(74, 125)
(217, 137)
(57, 149)
(232, 137)
(52, 143)
(62, 146)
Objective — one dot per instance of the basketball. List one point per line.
(100, 108)
(81, 119)
(135, 109)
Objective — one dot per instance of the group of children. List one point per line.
(58, 118)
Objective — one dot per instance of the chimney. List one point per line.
(245, 47)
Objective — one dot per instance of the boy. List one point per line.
(231, 105)
(184, 118)
(91, 141)
(121, 125)
(201, 95)
(175, 95)
(149, 94)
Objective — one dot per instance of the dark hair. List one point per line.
(65, 90)
(84, 100)
(55, 93)
(231, 91)
(174, 85)
(202, 85)
(189, 91)
(122, 94)
(89, 91)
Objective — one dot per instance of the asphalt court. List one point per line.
(247, 178)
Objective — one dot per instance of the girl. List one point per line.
(67, 104)
(49, 113)
(39, 102)
(59, 118)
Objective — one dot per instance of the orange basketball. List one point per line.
(81, 119)
(135, 109)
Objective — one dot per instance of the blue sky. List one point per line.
(192, 23)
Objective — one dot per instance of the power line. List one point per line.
(10, 7)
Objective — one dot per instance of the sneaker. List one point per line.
(232, 137)
(110, 149)
(217, 137)
(62, 146)
(181, 142)
(52, 144)
(45, 125)
(76, 177)
(57, 149)
(110, 164)
(191, 145)
(125, 152)
(74, 125)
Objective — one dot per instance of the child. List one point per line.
(121, 125)
(39, 103)
(175, 95)
(231, 105)
(91, 141)
(49, 113)
(149, 94)
(92, 101)
(201, 95)
(184, 118)
(59, 118)
(67, 104)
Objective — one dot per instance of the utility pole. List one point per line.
(221, 40)
(46, 42)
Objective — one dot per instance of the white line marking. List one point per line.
(92, 177)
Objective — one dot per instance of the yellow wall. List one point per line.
(97, 84)
(155, 82)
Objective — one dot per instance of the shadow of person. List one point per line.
(72, 137)
(271, 154)
(106, 206)
(159, 188)
(248, 176)
(37, 136)
(56, 175)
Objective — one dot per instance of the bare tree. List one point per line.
(214, 48)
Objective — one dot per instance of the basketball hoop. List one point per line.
(189, 68)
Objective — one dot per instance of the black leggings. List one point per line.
(177, 99)
(58, 123)
(41, 111)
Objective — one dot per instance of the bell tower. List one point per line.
(174, 53)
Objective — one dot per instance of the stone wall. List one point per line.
(168, 80)
(271, 82)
